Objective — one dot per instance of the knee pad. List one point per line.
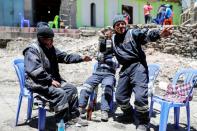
(87, 88)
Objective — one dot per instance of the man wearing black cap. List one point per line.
(42, 73)
(133, 76)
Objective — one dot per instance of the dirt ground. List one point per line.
(77, 74)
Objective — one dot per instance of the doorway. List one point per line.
(45, 10)
(129, 10)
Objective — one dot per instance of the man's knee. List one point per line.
(70, 88)
(87, 88)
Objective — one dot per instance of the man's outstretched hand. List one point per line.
(167, 31)
(86, 58)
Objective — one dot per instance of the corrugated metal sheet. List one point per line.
(9, 12)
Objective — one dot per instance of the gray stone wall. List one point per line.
(68, 12)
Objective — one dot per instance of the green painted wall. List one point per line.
(119, 6)
(141, 4)
(106, 10)
(78, 14)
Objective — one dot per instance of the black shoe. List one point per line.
(125, 118)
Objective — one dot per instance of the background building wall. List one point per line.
(68, 12)
(83, 12)
(136, 12)
(186, 4)
(80, 12)
(111, 10)
(1, 12)
(9, 12)
(107, 9)
(28, 10)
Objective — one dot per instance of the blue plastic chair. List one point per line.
(189, 75)
(153, 72)
(24, 92)
(24, 21)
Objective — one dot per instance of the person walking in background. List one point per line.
(133, 76)
(147, 10)
(160, 15)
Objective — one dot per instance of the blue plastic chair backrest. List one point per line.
(19, 68)
(187, 75)
(153, 71)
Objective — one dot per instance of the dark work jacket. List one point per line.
(41, 65)
(107, 65)
(127, 47)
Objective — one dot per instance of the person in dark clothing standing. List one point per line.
(133, 76)
(42, 73)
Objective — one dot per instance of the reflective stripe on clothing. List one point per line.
(142, 109)
(87, 87)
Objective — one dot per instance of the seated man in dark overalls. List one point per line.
(42, 75)
(104, 74)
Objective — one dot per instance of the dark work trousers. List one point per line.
(134, 79)
(107, 83)
(147, 19)
(63, 100)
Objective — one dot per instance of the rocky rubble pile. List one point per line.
(183, 42)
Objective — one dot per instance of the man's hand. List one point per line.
(86, 58)
(55, 83)
(166, 32)
(108, 34)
